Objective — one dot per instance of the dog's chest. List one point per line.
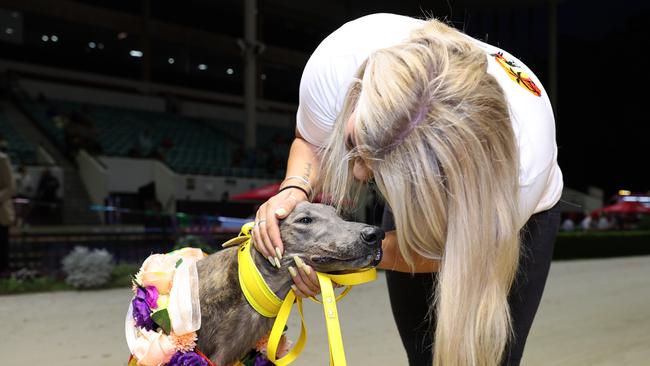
(229, 326)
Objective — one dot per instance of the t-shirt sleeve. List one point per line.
(333, 65)
(316, 113)
(323, 86)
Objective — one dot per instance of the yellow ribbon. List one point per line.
(267, 303)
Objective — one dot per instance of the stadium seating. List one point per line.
(20, 151)
(195, 146)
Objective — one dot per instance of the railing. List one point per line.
(94, 176)
(43, 248)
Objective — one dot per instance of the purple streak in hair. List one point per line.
(413, 123)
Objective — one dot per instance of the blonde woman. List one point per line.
(459, 138)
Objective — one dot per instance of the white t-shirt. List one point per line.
(331, 68)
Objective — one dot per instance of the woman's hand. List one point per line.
(266, 238)
(305, 280)
(266, 232)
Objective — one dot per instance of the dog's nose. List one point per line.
(372, 236)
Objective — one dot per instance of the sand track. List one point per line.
(594, 312)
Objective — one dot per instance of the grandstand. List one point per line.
(112, 183)
(137, 163)
(20, 150)
(188, 145)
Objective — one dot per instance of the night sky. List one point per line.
(603, 101)
(603, 77)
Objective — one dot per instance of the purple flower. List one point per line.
(151, 296)
(187, 359)
(261, 360)
(140, 293)
(141, 311)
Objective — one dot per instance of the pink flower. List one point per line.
(185, 342)
(153, 348)
(158, 271)
(284, 347)
(189, 254)
(260, 346)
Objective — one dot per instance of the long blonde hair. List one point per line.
(434, 128)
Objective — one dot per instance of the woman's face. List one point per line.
(360, 169)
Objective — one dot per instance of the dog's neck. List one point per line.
(278, 279)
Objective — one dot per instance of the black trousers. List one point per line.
(410, 295)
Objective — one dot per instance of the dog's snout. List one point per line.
(372, 236)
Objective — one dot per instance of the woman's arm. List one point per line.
(306, 281)
(302, 162)
(393, 260)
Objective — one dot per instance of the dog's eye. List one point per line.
(305, 220)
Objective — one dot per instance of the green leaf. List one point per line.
(161, 317)
(249, 359)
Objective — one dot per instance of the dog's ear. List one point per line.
(235, 241)
(244, 235)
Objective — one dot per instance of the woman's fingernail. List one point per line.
(277, 262)
(280, 212)
(271, 260)
(293, 287)
(299, 262)
(292, 271)
(277, 251)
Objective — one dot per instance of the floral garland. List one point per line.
(155, 339)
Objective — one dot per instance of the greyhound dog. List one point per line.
(230, 327)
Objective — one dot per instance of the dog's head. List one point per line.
(315, 233)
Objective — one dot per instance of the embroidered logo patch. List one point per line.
(516, 73)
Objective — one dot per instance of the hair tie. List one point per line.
(297, 187)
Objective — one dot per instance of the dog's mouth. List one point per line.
(367, 260)
(377, 258)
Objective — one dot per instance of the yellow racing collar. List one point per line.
(268, 304)
(257, 291)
